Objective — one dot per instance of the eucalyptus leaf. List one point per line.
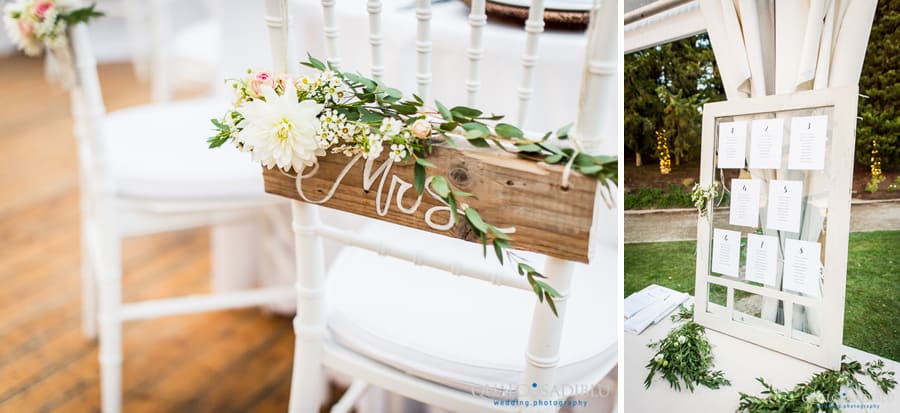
(426, 163)
(508, 131)
(465, 112)
(475, 219)
(440, 186)
(443, 111)
(419, 178)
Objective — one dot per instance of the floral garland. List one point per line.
(822, 393)
(685, 355)
(35, 24)
(288, 122)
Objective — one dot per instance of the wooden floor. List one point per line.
(235, 361)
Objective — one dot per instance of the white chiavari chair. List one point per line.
(405, 321)
(144, 170)
(171, 56)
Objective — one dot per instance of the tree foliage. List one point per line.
(665, 87)
(880, 81)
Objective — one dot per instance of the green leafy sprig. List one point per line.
(370, 102)
(823, 392)
(685, 355)
(81, 15)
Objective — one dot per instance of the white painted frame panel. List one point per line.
(839, 164)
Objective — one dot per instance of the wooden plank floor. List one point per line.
(233, 361)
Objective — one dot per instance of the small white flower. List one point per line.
(373, 146)
(815, 397)
(682, 339)
(659, 357)
(391, 126)
(281, 131)
(398, 152)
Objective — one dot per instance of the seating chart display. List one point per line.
(772, 249)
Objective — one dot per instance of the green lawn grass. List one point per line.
(872, 312)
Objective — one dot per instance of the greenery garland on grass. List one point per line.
(822, 393)
(287, 123)
(685, 355)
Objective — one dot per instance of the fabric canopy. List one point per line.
(769, 47)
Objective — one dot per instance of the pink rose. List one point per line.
(421, 129)
(26, 28)
(41, 8)
(258, 80)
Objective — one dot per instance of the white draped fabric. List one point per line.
(769, 47)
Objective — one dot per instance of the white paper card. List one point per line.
(726, 258)
(762, 259)
(766, 136)
(784, 205)
(807, 150)
(744, 208)
(802, 267)
(732, 144)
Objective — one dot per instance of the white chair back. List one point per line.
(598, 96)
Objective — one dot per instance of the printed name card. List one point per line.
(784, 205)
(744, 203)
(762, 259)
(766, 136)
(807, 149)
(802, 267)
(726, 259)
(732, 144)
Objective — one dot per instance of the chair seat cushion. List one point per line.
(160, 152)
(458, 331)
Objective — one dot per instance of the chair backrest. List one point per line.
(88, 112)
(598, 96)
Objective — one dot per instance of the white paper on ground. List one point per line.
(645, 298)
(744, 209)
(802, 267)
(762, 259)
(784, 205)
(655, 312)
(732, 146)
(726, 259)
(807, 149)
(766, 137)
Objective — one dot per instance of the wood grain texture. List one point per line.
(511, 192)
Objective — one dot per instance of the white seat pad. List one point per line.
(160, 152)
(459, 331)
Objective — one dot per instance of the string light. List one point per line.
(662, 152)
(875, 160)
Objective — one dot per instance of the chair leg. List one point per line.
(542, 356)
(109, 286)
(309, 323)
(88, 292)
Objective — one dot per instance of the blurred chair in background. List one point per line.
(144, 170)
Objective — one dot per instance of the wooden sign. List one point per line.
(775, 273)
(511, 193)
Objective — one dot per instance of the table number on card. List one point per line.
(732, 144)
(784, 205)
(808, 136)
(744, 210)
(726, 259)
(802, 267)
(766, 136)
(762, 259)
